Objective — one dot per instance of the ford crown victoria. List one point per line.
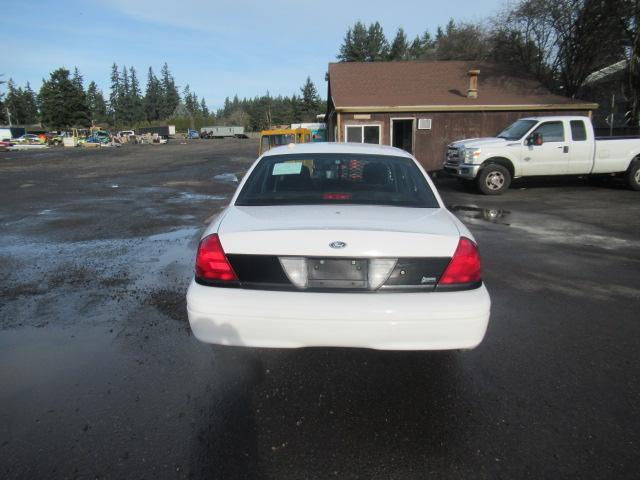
(338, 245)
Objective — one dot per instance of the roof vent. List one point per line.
(473, 84)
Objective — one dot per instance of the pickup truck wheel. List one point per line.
(493, 179)
(633, 175)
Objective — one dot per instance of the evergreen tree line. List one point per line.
(22, 103)
(128, 106)
(456, 41)
(63, 102)
(559, 42)
(263, 112)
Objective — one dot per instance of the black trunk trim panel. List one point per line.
(411, 274)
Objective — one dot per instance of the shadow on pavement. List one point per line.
(270, 417)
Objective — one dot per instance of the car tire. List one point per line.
(493, 179)
(633, 175)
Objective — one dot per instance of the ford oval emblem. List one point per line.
(337, 244)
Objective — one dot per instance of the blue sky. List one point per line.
(218, 48)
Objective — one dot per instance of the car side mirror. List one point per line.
(535, 139)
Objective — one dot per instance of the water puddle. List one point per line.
(103, 278)
(226, 177)
(197, 197)
(491, 215)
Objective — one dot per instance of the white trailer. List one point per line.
(9, 133)
(222, 132)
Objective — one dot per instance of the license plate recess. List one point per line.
(337, 273)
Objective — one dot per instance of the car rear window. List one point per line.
(312, 179)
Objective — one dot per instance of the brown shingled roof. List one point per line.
(435, 84)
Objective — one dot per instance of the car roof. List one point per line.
(336, 147)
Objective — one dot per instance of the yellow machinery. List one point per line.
(282, 136)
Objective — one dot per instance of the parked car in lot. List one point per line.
(328, 244)
(543, 146)
(28, 138)
(54, 138)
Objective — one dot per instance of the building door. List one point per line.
(402, 133)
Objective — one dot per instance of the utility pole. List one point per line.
(9, 116)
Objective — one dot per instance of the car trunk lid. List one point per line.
(351, 231)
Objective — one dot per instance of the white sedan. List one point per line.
(334, 244)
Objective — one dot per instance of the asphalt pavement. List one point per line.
(100, 376)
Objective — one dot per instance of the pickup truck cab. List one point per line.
(542, 146)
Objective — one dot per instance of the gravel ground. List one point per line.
(101, 377)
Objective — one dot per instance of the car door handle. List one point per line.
(564, 148)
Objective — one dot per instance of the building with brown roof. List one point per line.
(421, 106)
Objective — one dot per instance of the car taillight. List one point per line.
(464, 266)
(212, 262)
(336, 196)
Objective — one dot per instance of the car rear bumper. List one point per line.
(386, 321)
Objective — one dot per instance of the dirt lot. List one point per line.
(101, 378)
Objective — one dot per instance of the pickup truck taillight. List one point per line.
(212, 262)
(464, 267)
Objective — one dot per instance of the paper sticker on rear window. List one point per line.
(287, 168)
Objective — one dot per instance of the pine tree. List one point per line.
(415, 49)
(153, 97)
(77, 79)
(196, 104)
(135, 98)
(187, 98)
(97, 104)
(423, 47)
(30, 105)
(60, 103)
(310, 103)
(14, 103)
(399, 47)
(377, 44)
(125, 113)
(81, 114)
(203, 108)
(22, 104)
(355, 47)
(226, 109)
(296, 109)
(115, 96)
(170, 95)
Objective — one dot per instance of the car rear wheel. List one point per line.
(493, 179)
(633, 175)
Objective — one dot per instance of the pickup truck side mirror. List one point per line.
(535, 139)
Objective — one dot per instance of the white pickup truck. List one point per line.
(542, 146)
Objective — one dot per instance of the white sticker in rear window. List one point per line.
(287, 168)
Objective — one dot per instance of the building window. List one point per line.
(362, 133)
